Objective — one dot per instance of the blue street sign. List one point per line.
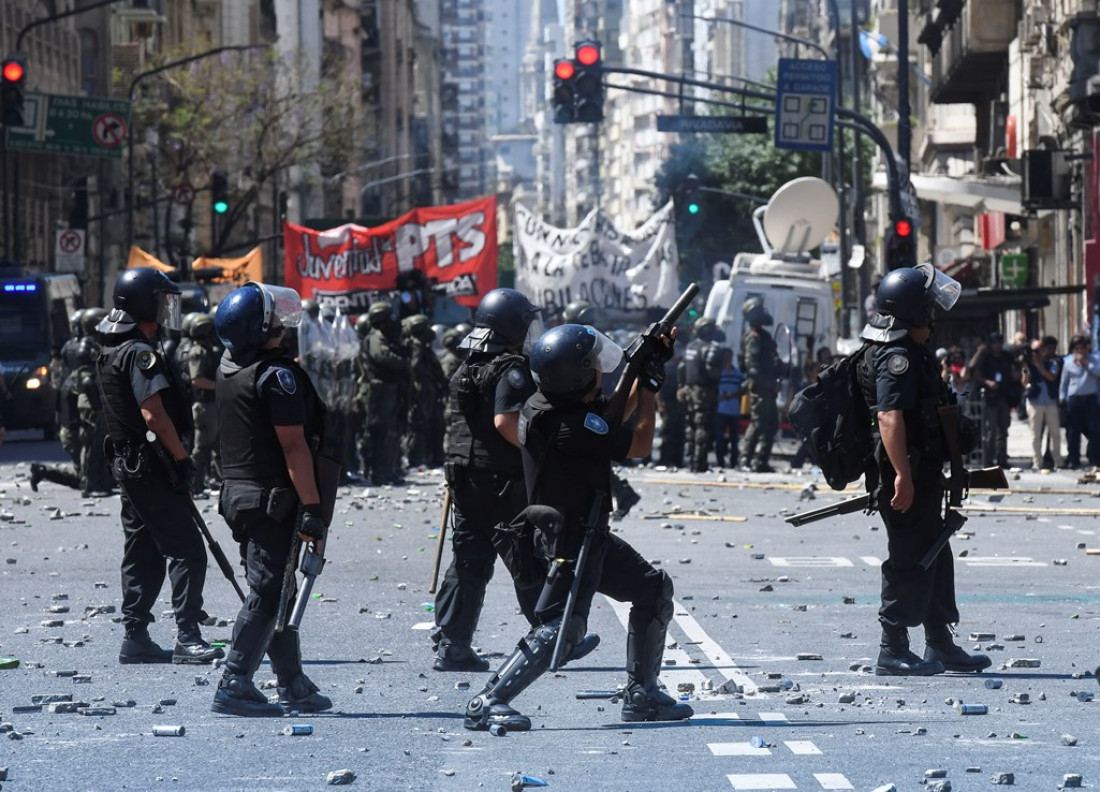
(805, 102)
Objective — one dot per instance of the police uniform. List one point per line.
(429, 384)
(157, 519)
(260, 505)
(387, 363)
(568, 449)
(673, 429)
(485, 474)
(202, 363)
(702, 368)
(760, 362)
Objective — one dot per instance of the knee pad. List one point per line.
(663, 606)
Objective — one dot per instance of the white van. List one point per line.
(796, 289)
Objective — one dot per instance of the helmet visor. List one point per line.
(943, 288)
(534, 333)
(282, 306)
(170, 310)
(608, 354)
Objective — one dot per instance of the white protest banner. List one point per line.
(619, 271)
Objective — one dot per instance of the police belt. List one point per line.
(129, 460)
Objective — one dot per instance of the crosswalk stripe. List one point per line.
(811, 562)
(802, 747)
(833, 781)
(423, 625)
(737, 749)
(1001, 561)
(673, 676)
(722, 662)
(761, 781)
(873, 561)
(773, 718)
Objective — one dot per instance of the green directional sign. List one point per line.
(80, 126)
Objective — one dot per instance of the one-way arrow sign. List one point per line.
(737, 124)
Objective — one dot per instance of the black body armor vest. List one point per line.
(472, 440)
(125, 426)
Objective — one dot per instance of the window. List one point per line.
(89, 61)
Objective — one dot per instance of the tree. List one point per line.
(247, 114)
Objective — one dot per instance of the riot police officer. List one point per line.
(146, 410)
(580, 312)
(452, 356)
(900, 380)
(567, 449)
(202, 367)
(700, 371)
(760, 362)
(272, 423)
(388, 364)
(429, 384)
(484, 469)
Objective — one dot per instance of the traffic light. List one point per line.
(13, 84)
(901, 245)
(588, 82)
(563, 95)
(691, 194)
(219, 189)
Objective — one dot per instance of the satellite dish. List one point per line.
(800, 215)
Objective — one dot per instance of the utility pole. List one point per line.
(905, 130)
(858, 232)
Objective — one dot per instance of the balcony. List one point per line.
(973, 55)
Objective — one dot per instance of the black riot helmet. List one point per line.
(579, 312)
(565, 359)
(505, 319)
(143, 294)
(381, 316)
(755, 313)
(90, 317)
(910, 295)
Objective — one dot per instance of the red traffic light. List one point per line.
(564, 70)
(903, 228)
(13, 71)
(588, 54)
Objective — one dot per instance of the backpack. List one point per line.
(831, 416)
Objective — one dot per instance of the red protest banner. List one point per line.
(454, 246)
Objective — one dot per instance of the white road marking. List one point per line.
(811, 562)
(761, 781)
(423, 625)
(773, 717)
(1001, 561)
(1086, 532)
(802, 747)
(722, 662)
(673, 676)
(874, 561)
(737, 749)
(833, 781)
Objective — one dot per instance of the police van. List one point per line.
(34, 324)
(795, 287)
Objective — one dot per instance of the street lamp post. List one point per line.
(130, 130)
(389, 180)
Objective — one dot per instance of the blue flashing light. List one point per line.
(20, 287)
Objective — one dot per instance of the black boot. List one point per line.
(458, 657)
(41, 473)
(527, 663)
(626, 497)
(36, 475)
(643, 699)
(302, 695)
(138, 647)
(191, 649)
(895, 659)
(237, 695)
(941, 647)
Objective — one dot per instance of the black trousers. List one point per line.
(480, 500)
(158, 531)
(912, 596)
(265, 546)
(613, 568)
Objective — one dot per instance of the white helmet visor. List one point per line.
(169, 310)
(608, 354)
(943, 288)
(282, 306)
(534, 333)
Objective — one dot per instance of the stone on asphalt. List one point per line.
(1071, 781)
(1002, 779)
(939, 785)
(1069, 740)
(340, 777)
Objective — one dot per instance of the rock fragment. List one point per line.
(1002, 779)
(340, 777)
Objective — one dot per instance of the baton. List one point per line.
(441, 541)
(574, 587)
(215, 548)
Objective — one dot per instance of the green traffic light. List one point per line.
(221, 207)
(693, 208)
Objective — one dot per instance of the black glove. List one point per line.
(312, 525)
(653, 376)
(650, 345)
(185, 474)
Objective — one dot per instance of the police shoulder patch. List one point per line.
(897, 363)
(517, 378)
(595, 423)
(146, 359)
(286, 380)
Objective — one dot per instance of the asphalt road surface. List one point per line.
(774, 632)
